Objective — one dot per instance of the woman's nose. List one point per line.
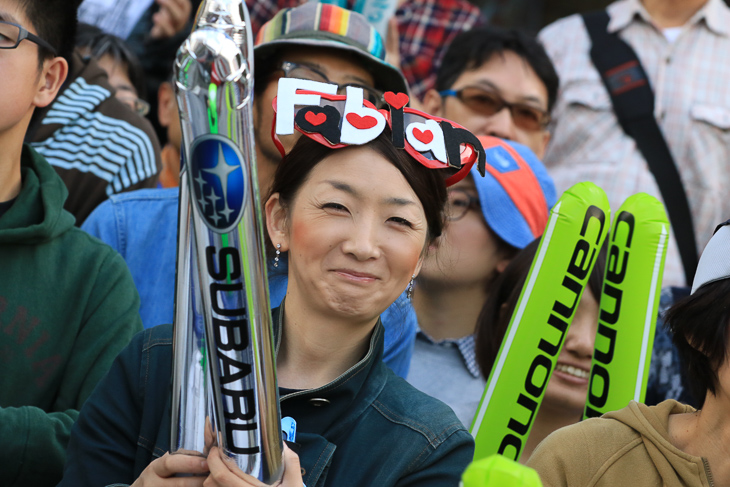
(581, 336)
(362, 240)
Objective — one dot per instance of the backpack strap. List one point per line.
(633, 103)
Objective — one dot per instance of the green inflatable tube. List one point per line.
(575, 231)
(498, 471)
(628, 304)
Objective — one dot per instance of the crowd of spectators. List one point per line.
(633, 98)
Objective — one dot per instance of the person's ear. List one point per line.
(502, 264)
(419, 265)
(165, 103)
(277, 222)
(53, 74)
(433, 103)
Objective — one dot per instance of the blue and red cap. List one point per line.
(516, 192)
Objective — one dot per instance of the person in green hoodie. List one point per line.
(67, 301)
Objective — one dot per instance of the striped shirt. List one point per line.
(691, 82)
(98, 146)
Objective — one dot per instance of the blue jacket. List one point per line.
(142, 226)
(377, 430)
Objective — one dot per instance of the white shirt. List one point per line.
(691, 82)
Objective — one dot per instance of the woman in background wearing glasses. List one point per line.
(490, 219)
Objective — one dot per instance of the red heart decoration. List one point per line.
(425, 137)
(315, 118)
(359, 122)
(397, 101)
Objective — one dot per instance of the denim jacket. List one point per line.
(142, 226)
(368, 427)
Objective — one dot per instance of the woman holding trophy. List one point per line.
(355, 204)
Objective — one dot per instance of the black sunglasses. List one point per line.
(12, 34)
(489, 103)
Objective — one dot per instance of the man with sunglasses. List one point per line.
(303, 42)
(67, 301)
(499, 83)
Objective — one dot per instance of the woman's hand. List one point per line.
(222, 476)
(161, 472)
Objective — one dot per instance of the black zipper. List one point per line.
(708, 472)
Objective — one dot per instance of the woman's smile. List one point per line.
(356, 276)
(573, 374)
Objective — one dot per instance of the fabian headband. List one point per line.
(316, 110)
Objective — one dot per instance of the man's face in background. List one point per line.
(504, 78)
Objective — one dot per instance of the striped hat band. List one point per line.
(325, 22)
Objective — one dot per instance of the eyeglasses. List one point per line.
(459, 203)
(11, 35)
(140, 107)
(488, 103)
(302, 71)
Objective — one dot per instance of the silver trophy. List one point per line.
(224, 378)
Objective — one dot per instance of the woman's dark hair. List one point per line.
(101, 44)
(497, 311)
(428, 184)
(699, 325)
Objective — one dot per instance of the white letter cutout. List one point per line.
(429, 136)
(360, 124)
(287, 97)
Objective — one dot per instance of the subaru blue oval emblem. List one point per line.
(219, 181)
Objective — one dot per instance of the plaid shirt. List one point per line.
(690, 79)
(464, 345)
(425, 27)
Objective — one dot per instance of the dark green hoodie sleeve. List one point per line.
(33, 439)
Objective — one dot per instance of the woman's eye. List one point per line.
(334, 206)
(460, 203)
(401, 221)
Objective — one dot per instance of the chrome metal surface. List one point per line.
(224, 378)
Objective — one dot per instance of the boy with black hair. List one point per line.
(96, 143)
(67, 301)
(487, 70)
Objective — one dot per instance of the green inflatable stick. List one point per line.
(576, 229)
(629, 302)
(498, 471)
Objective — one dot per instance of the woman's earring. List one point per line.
(278, 253)
(409, 291)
